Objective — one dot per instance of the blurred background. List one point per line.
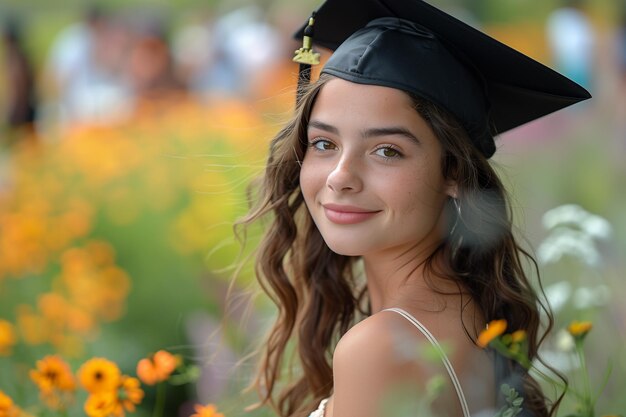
(129, 130)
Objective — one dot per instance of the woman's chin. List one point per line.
(345, 248)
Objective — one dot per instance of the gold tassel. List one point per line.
(306, 55)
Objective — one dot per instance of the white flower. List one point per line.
(564, 341)
(586, 297)
(558, 216)
(557, 294)
(564, 241)
(597, 227)
(574, 216)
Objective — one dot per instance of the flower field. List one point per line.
(111, 238)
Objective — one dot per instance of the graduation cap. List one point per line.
(413, 46)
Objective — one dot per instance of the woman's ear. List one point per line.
(452, 188)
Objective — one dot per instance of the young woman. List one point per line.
(389, 229)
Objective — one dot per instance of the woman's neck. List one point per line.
(400, 280)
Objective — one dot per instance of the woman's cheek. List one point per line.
(309, 177)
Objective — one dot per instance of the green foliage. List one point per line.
(514, 403)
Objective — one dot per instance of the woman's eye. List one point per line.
(323, 145)
(388, 152)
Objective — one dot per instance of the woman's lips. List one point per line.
(340, 214)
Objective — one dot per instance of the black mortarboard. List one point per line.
(413, 46)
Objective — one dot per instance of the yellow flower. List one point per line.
(31, 325)
(5, 401)
(99, 374)
(102, 253)
(157, 368)
(579, 329)
(7, 408)
(79, 321)
(55, 381)
(129, 395)
(494, 329)
(101, 404)
(74, 261)
(117, 401)
(206, 411)
(53, 373)
(518, 336)
(53, 308)
(7, 337)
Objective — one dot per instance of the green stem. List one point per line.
(607, 375)
(569, 389)
(160, 400)
(588, 408)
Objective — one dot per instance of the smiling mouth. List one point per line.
(347, 214)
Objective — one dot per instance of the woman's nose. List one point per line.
(345, 176)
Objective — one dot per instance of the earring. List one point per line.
(457, 206)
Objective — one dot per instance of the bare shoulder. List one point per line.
(377, 337)
(374, 358)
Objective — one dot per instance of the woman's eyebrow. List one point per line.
(367, 133)
(323, 126)
(389, 131)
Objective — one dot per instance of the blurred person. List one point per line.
(21, 99)
(150, 67)
(85, 66)
(228, 56)
(572, 39)
(192, 52)
(254, 46)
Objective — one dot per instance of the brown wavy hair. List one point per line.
(319, 295)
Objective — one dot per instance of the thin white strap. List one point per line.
(444, 358)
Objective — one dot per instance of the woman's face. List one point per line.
(371, 175)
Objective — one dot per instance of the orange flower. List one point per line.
(53, 308)
(55, 381)
(101, 404)
(129, 395)
(7, 408)
(157, 368)
(116, 402)
(79, 320)
(518, 336)
(102, 253)
(494, 329)
(208, 410)
(32, 327)
(7, 337)
(99, 374)
(579, 329)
